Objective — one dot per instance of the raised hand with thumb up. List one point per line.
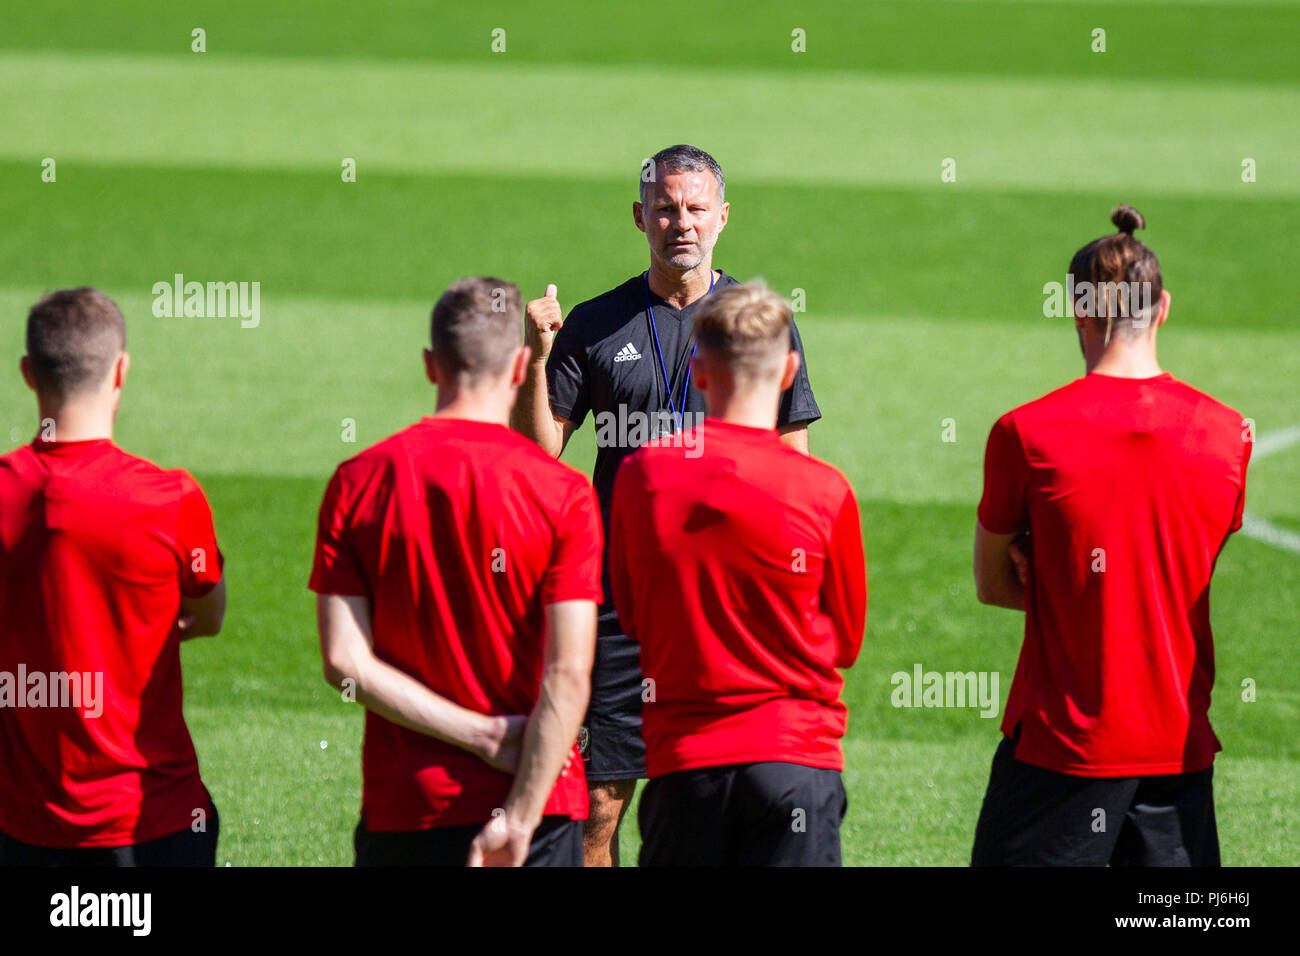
(542, 319)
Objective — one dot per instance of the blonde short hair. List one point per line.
(747, 327)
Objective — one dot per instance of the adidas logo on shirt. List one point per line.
(627, 353)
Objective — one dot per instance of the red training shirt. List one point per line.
(1144, 478)
(96, 549)
(460, 533)
(737, 564)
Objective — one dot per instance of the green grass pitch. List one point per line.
(924, 300)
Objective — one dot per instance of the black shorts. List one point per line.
(1037, 817)
(747, 814)
(612, 747)
(182, 848)
(557, 841)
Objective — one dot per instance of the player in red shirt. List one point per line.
(107, 563)
(1106, 504)
(457, 573)
(736, 563)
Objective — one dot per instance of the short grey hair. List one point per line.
(679, 158)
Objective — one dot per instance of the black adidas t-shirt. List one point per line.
(604, 362)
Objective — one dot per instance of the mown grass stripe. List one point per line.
(1160, 138)
(1203, 40)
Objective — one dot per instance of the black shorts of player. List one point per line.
(612, 748)
(182, 848)
(746, 814)
(1037, 817)
(557, 841)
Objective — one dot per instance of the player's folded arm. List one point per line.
(347, 654)
(1002, 517)
(570, 651)
(202, 579)
(205, 614)
(996, 580)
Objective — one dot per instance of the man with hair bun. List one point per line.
(1106, 505)
(737, 566)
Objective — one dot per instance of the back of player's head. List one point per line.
(73, 338)
(681, 158)
(475, 328)
(746, 329)
(1122, 278)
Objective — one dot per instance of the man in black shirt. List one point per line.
(625, 357)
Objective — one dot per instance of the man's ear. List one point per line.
(722, 218)
(120, 368)
(699, 373)
(25, 366)
(519, 368)
(1165, 300)
(430, 368)
(791, 369)
(638, 215)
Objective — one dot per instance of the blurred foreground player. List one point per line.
(107, 563)
(737, 565)
(1127, 483)
(457, 573)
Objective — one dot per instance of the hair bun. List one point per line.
(1126, 219)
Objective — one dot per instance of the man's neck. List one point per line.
(753, 411)
(74, 423)
(1125, 361)
(679, 289)
(491, 407)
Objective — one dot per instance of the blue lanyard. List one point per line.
(663, 369)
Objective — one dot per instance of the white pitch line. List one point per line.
(1270, 443)
(1261, 529)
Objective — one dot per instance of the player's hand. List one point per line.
(502, 842)
(542, 319)
(505, 743)
(1020, 550)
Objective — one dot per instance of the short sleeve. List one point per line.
(201, 560)
(1240, 511)
(574, 571)
(798, 404)
(336, 569)
(1006, 479)
(568, 378)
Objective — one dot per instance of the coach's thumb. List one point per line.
(475, 855)
(551, 290)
